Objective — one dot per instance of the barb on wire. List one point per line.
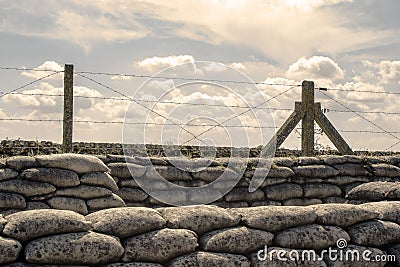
(364, 118)
(244, 112)
(184, 79)
(30, 83)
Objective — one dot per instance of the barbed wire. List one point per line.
(184, 78)
(150, 109)
(201, 104)
(140, 123)
(198, 79)
(244, 112)
(30, 83)
(156, 101)
(30, 69)
(183, 125)
(356, 91)
(364, 118)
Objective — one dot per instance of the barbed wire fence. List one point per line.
(116, 148)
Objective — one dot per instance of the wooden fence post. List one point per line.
(307, 111)
(307, 132)
(68, 108)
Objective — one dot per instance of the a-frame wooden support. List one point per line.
(307, 111)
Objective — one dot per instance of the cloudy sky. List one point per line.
(350, 45)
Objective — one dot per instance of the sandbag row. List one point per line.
(201, 236)
(290, 181)
(374, 191)
(86, 183)
(67, 181)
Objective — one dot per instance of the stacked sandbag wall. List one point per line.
(205, 236)
(297, 181)
(67, 181)
(85, 183)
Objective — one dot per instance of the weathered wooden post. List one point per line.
(307, 127)
(68, 108)
(307, 111)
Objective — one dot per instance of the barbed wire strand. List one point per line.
(26, 85)
(364, 118)
(356, 91)
(244, 112)
(30, 69)
(183, 78)
(151, 110)
(197, 79)
(139, 123)
(189, 124)
(155, 101)
(201, 104)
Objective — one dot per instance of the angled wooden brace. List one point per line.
(330, 131)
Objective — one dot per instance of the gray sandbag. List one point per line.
(321, 190)
(200, 219)
(7, 174)
(237, 240)
(127, 221)
(26, 188)
(311, 236)
(27, 225)
(315, 171)
(86, 248)
(12, 201)
(74, 162)
(375, 233)
(343, 215)
(275, 218)
(374, 191)
(54, 176)
(9, 250)
(126, 170)
(101, 179)
(68, 203)
(159, 246)
(283, 191)
(113, 201)
(19, 163)
(84, 192)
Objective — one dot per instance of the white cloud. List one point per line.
(47, 65)
(84, 91)
(306, 5)
(163, 85)
(36, 100)
(121, 78)
(315, 67)
(270, 29)
(84, 30)
(238, 66)
(158, 63)
(215, 67)
(388, 71)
